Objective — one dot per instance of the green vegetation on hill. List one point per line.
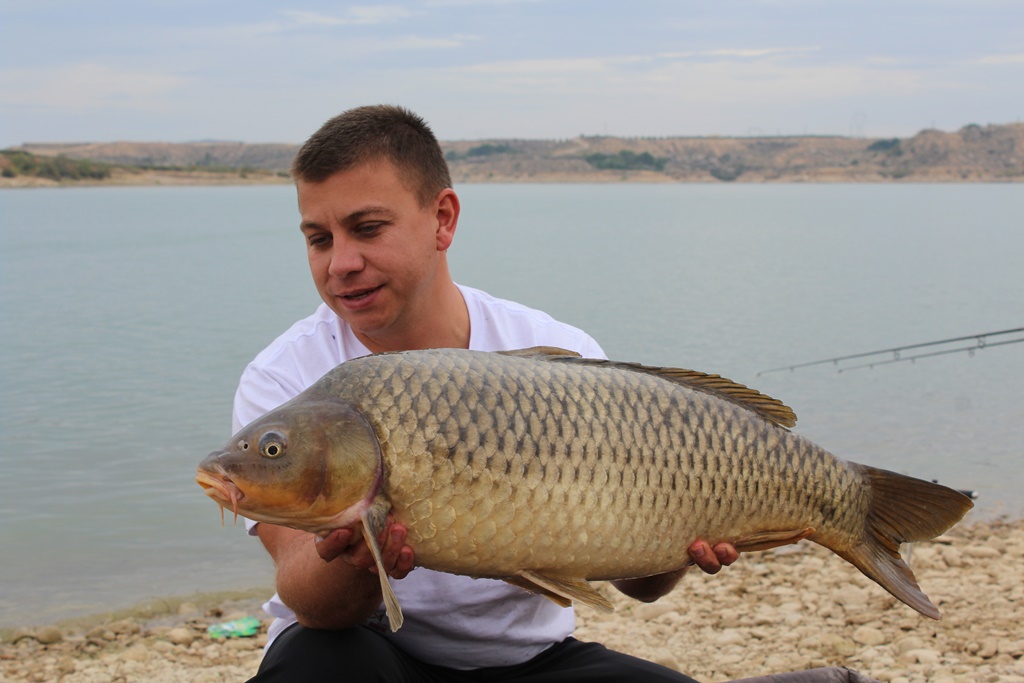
(243, 171)
(892, 146)
(17, 163)
(480, 151)
(626, 160)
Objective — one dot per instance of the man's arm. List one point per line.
(332, 583)
(711, 560)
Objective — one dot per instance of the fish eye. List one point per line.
(272, 445)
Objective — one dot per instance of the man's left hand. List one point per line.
(712, 559)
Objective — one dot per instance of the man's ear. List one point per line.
(447, 218)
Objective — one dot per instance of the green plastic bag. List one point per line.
(245, 627)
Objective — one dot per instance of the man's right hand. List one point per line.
(349, 546)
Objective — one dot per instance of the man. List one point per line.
(378, 214)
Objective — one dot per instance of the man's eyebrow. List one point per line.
(352, 218)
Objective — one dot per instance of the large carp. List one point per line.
(549, 470)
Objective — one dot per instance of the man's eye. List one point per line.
(368, 229)
(318, 240)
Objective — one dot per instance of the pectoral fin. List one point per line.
(562, 592)
(764, 540)
(374, 520)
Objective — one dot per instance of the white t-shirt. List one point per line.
(454, 621)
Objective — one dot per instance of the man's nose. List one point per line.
(345, 258)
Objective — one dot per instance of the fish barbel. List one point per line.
(549, 470)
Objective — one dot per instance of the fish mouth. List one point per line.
(222, 490)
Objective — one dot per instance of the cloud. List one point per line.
(356, 16)
(482, 3)
(753, 53)
(607, 65)
(710, 76)
(1000, 60)
(85, 86)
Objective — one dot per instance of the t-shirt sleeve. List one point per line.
(591, 349)
(259, 391)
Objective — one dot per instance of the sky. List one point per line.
(261, 71)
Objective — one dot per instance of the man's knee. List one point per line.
(300, 653)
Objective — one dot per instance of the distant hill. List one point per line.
(177, 155)
(972, 154)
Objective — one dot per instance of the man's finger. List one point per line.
(334, 544)
(726, 553)
(704, 557)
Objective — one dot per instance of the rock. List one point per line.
(836, 645)
(181, 636)
(136, 653)
(989, 648)
(866, 635)
(162, 646)
(910, 643)
(19, 635)
(775, 664)
(125, 627)
(730, 637)
(981, 552)
(65, 666)
(852, 598)
(952, 556)
(48, 635)
(100, 634)
(920, 656)
(653, 610)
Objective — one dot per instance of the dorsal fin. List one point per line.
(768, 408)
(771, 409)
(539, 351)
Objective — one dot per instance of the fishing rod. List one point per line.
(981, 341)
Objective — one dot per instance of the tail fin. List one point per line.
(903, 510)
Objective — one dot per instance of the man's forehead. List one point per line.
(352, 194)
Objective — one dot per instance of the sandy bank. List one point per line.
(787, 610)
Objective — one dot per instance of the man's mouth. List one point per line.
(360, 294)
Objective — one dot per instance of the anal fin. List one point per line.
(765, 540)
(563, 592)
(374, 520)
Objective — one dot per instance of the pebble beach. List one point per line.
(790, 609)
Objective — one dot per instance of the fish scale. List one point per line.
(548, 470)
(555, 393)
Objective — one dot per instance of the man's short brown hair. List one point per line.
(373, 133)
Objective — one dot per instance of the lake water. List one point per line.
(127, 314)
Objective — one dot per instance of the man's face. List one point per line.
(374, 252)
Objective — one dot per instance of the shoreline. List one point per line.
(790, 609)
(155, 178)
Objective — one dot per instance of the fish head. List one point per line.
(311, 464)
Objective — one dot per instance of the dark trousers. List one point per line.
(302, 654)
